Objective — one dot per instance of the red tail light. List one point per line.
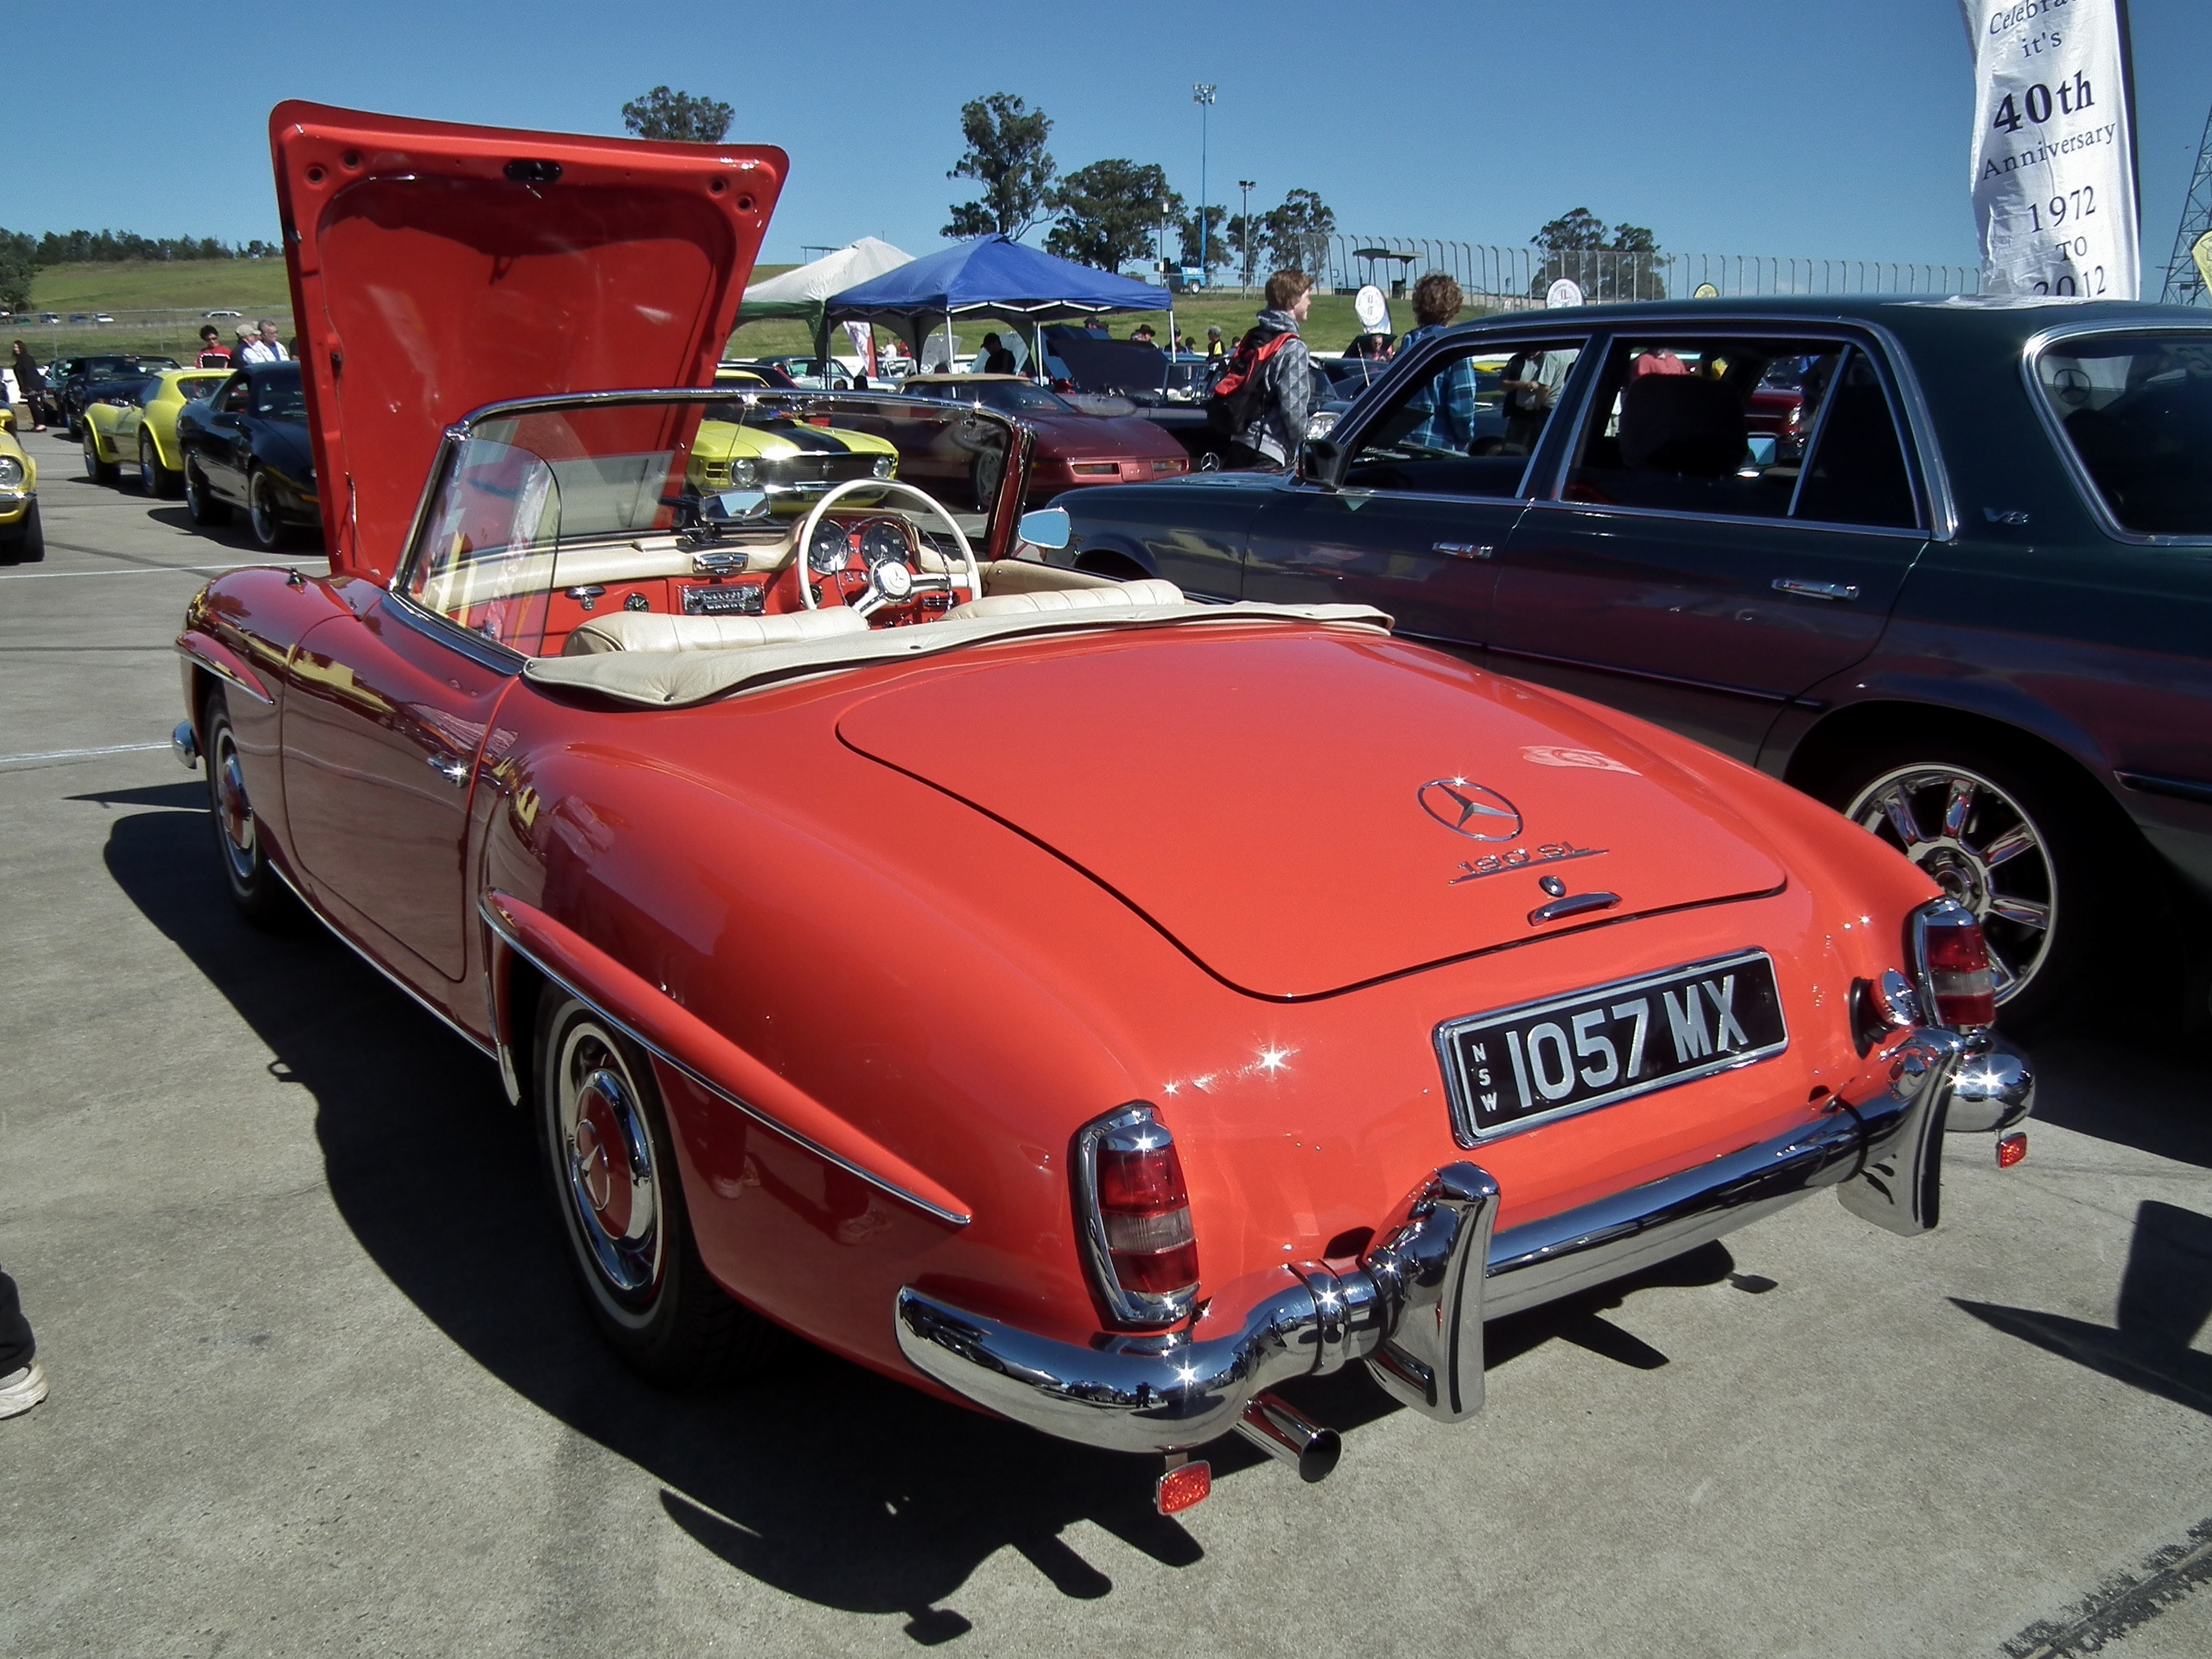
(1130, 1194)
(2010, 1149)
(1956, 978)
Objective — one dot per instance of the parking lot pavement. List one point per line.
(320, 1383)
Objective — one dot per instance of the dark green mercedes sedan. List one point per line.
(1946, 564)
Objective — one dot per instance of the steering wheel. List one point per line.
(893, 581)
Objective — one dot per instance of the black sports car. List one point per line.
(248, 447)
(69, 384)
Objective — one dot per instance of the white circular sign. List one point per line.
(1371, 308)
(1564, 291)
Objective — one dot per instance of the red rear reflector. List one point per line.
(1184, 1486)
(2010, 1149)
(1956, 960)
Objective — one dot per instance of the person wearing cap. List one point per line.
(264, 347)
(22, 1381)
(1142, 335)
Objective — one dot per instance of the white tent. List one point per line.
(800, 292)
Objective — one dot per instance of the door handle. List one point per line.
(453, 770)
(1805, 589)
(1462, 550)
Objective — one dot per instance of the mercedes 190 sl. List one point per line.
(1085, 1004)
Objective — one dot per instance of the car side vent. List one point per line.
(526, 172)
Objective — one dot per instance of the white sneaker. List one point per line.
(20, 1390)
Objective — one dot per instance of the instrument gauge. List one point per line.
(884, 540)
(830, 548)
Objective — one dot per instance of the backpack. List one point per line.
(1241, 393)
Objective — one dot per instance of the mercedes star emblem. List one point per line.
(1470, 810)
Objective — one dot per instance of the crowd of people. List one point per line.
(259, 341)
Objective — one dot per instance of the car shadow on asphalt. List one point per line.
(2165, 1300)
(828, 1481)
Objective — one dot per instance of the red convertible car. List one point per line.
(866, 976)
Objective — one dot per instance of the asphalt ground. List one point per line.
(321, 1384)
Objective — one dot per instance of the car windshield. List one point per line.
(280, 396)
(1014, 396)
(105, 368)
(691, 506)
(2136, 409)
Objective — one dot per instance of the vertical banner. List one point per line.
(863, 335)
(2054, 148)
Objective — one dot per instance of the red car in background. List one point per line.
(1086, 1005)
(1074, 450)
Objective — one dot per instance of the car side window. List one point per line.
(238, 400)
(1857, 473)
(1743, 427)
(1469, 425)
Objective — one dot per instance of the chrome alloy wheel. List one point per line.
(605, 1152)
(233, 815)
(1981, 847)
(150, 466)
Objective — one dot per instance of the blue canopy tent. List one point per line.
(989, 276)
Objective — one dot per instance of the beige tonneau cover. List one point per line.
(663, 679)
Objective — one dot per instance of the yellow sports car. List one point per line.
(745, 444)
(22, 541)
(123, 429)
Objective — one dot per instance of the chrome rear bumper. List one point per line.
(1414, 1308)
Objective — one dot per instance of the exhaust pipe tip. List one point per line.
(1286, 1434)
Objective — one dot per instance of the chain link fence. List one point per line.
(1504, 278)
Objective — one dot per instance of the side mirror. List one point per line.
(735, 507)
(1321, 462)
(1049, 528)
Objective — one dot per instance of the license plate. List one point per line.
(1513, 1067)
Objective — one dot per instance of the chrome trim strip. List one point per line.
(2178, 789)
(1754, 694)
(2084, 486)
(1896, 530)
(493, 920)
(1408, 1305)
(361, 951)
(224, 672)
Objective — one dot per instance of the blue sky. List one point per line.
(1833, 130)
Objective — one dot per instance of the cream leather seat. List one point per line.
(1112, 596)
(651, 630)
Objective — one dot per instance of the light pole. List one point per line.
(1247, 185)
(1202, 95)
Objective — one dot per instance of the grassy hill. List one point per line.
(251, 285)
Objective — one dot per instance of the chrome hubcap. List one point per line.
(612, 1185)
(1981, 847)
(233, 817)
